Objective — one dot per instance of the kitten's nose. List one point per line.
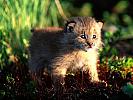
(90, 44)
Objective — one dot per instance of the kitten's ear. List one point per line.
(69, 26)
(100, 24)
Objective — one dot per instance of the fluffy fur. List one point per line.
(74, 47)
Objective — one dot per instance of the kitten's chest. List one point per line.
(83, 59)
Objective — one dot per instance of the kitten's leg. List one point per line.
(93, 72)
(59, 74)
(58, 80)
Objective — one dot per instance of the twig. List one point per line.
(57, 2)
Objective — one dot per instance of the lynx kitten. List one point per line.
(74, 47)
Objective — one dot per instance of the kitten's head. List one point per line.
(84, 33)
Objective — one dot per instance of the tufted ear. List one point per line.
(100, 24)
(69, 25)
(69, 22)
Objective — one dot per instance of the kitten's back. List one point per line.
(44, 45)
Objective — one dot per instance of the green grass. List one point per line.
(17, 17)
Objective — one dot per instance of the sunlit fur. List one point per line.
(71, 51)
(81, 56)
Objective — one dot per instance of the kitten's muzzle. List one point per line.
(89, 45)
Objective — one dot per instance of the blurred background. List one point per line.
(17, 17)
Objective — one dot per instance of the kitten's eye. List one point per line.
(70, 28)
(94, 36)
(84, 36)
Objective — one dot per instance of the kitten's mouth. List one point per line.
(88, 47)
